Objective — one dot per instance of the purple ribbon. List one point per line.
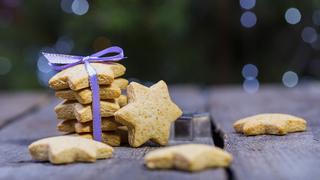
(60, 62)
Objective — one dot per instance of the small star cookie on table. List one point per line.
(275, 124)
(148, 114)
(188, 157)
(69, 149)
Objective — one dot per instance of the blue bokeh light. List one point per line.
(249, 71)
(248, 19)
(293, 16)
(247, 4)
(290, 79)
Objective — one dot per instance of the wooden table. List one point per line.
(28, 116)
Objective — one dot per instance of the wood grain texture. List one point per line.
(294, 156)
(127, 163)
(13, 105)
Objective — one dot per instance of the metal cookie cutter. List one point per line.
(191, 125)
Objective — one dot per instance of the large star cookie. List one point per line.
(277, 124)
(77, 77)
(188, 157)
(68, 149)
(149, 113)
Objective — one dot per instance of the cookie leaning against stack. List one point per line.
(75, 111)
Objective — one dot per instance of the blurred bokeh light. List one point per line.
(251, 85)
(309, 35)
(244, 42)
(247, 4)
(290, 79)
(250, 71)
(248, 19)
(293, 16)
(80, 7)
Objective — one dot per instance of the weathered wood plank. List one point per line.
(294, 156)
(127, 163)
(13, 105)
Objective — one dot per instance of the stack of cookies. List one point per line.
(75, 111)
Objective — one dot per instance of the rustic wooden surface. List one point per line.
(127, 163)
(294, 156)
(11, 106)
(26, 117)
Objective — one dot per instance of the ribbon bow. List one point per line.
(60, 62)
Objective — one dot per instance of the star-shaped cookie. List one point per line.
(84, 96)
(77, 77)
(276, 124)
(149, 113)
(112, 138)
(188, 157)
(68, 149)
(72, 125)
(83, 113)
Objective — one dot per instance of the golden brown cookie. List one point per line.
(120, 83)
(69, 149)
(123, 128)
(83, 113)
(188, 157)
(72, 125)
(276, 124)
(84, 96)
(149, 113)
(77, 78)
(122, 100)
(115, 138)
(107, 124)
(67, 126)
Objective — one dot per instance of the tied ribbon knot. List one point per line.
(60, 62)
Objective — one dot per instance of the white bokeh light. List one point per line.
(248, 19)
(292, 16)
(5, 66)
(80, 7)
(290, 79)
(309, 35)
(251, 85)
(247, 4)
(249, 71)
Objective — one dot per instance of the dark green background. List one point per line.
(180, 41)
